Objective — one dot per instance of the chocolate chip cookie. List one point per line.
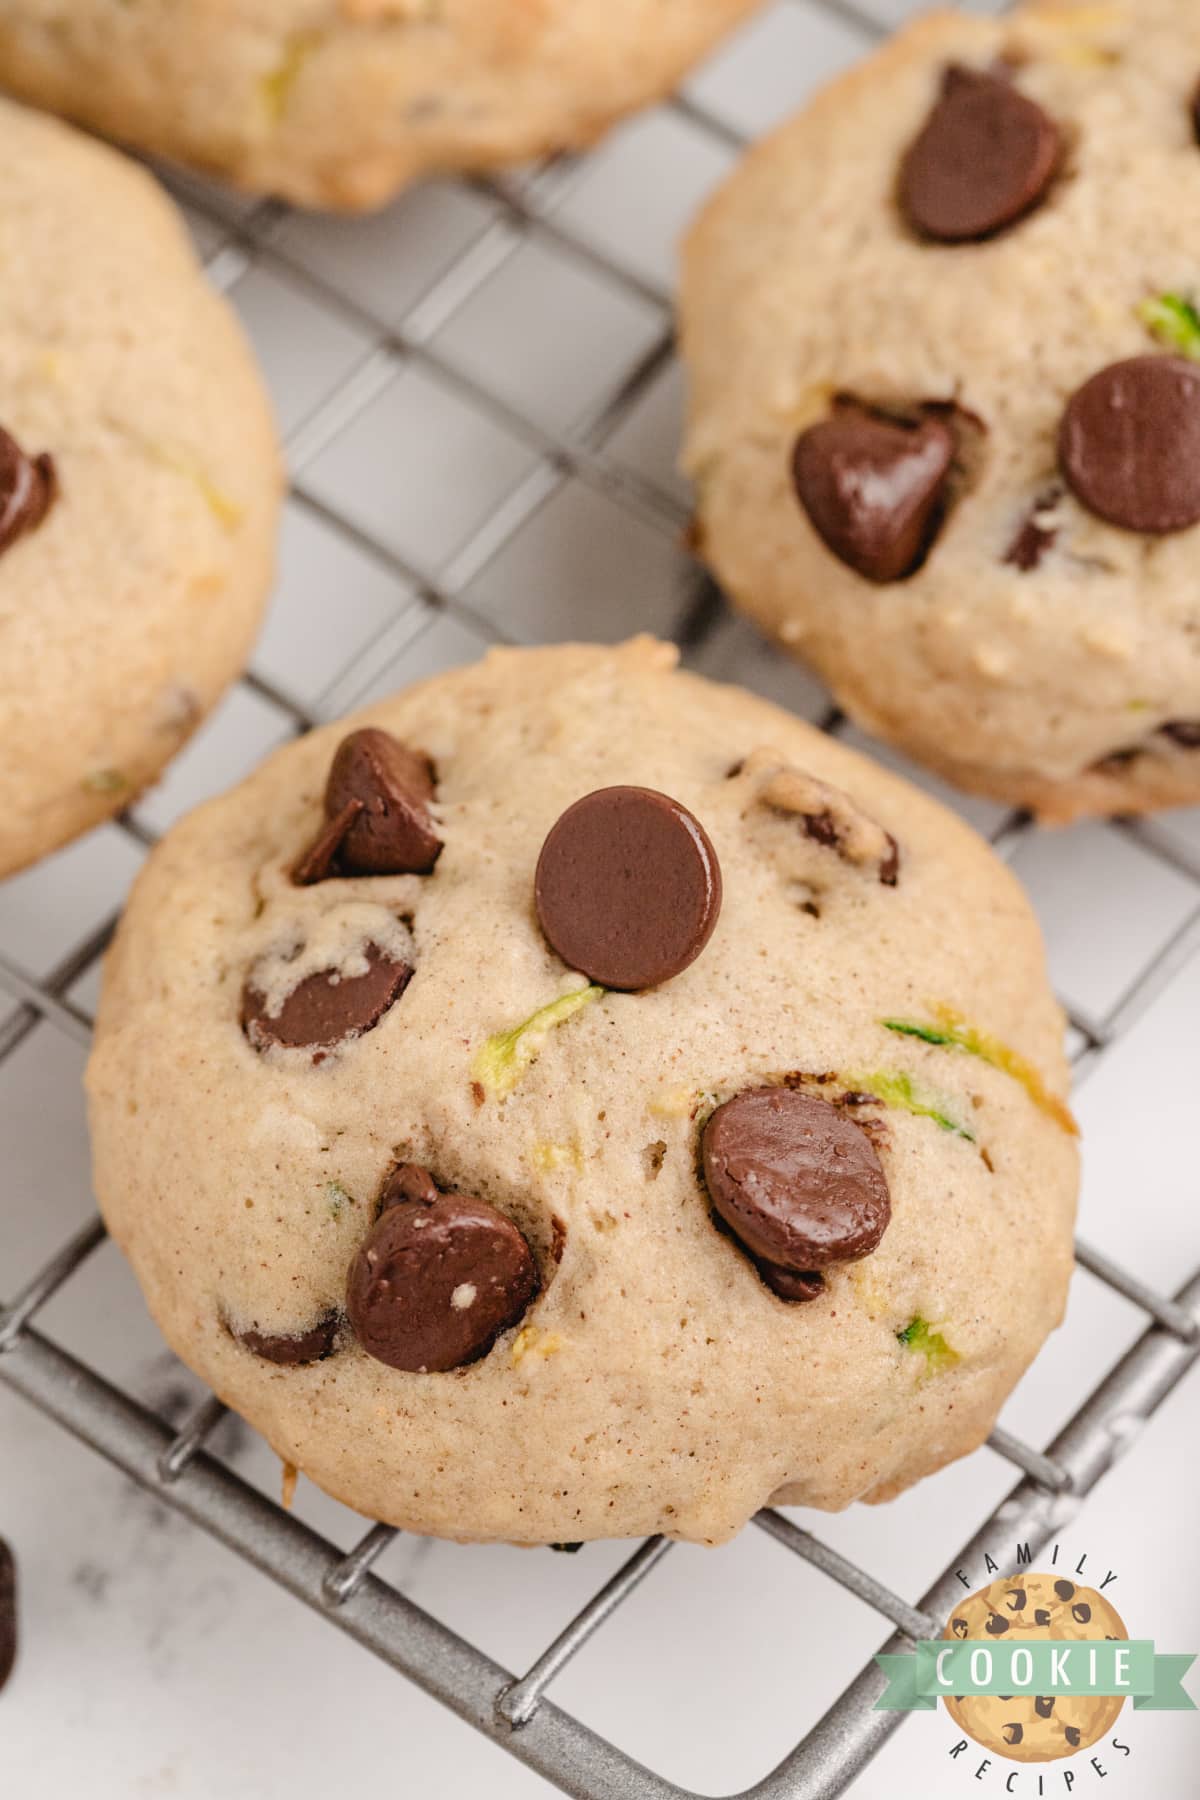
(338, 103)
(139, 487)
(944, 348)
(578, 1100)
(1035, 1608)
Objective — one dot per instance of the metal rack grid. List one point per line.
(515, 1710)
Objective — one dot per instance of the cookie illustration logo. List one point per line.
(1036, 1609)
(1035, 1668)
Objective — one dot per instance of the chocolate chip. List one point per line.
(1041, 1616)
(408, 1182)
(436, 1281)
(1195, 111)
(28, 488)
(1184, 732)
(1072, 1734)
(320, 860)
(795, 1285)
(326, 1007)
(1037, 534)
(984, 159)
(394, 833)
(1015, 1599)
(1044, 1706)
(996, 1626)
(628, 887)
(1129, 444)
(8, 1611)
(1013, 1733)
(889, 868)
(1081, 1613)
(874, 488)
(289, 1349)
(797, 1182)
(1065, 1590)
(959, 1627)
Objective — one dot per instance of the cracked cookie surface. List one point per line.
(139, 486)
(454, 1252)
(913, 319)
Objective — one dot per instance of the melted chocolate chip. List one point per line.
(1065, 1590)
(1013, 1733)
(1072, 1734)
(798, 1183)
(326, 1008)
(984, 159)
(8, 1612)
(874, 488)
(408, 1181)
(394, 833)
(628, 887)
(436, 1281)
(1184, 732)
(996, 1626)
(795, 1285)
(1041, 1616)
(1129, 444)
(959, 1627)
(1015, 1599)
(320, 860)
(1043, 1706)
(28, 488)
(290, 1349)
(1081, 1613)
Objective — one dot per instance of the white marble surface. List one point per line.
(424, 362)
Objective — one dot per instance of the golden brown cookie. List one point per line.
(572, 1167)
(139, 486)
(944, 424)
(340, 102)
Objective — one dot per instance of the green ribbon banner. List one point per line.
(918, 1679)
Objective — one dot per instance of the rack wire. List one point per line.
(515, 1709)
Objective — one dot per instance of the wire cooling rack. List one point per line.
(479, 399)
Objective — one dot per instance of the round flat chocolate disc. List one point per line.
(436, 1281)
(796, 1181)
(391, 833)
(985, 157)
(628, 887)
(874, 488)
(1129, 444)
(325, 1008)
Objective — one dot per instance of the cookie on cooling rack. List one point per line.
(945, 407)
(139, 486)
(575, 1100)
(340, 102)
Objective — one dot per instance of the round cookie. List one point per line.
(492, 1251)
(139, 486)
(945, 417)
(339, 103)
(1033, 1728)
